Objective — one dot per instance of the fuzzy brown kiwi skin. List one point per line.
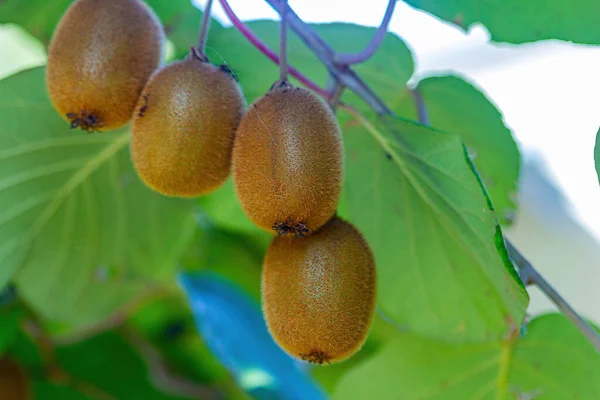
(99, 59)
(14, 384)
(288, 161)
(184, 126)
(319, 292)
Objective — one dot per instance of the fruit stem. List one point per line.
(421, 109)
(335, 88)
(367, 52)
(262, 47)
(326, 55)
(204, 28)
(283, 56)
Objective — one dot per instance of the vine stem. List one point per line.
(263, 48)
(422, 113)
(531, 275)
(204, 28)
(369, 51)
(344, 73)
(283, 56)
(334, 90)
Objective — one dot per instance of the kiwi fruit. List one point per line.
(13, 381)
(184, 127)
(288, 161)
(319, 292)
(99, 59)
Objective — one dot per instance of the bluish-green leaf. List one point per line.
(519, 21)
(552, 362)
(85, 234)
(415, 196)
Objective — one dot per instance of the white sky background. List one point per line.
(549, 92)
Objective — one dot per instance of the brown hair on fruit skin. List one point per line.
(288, 161)
(14, 384)
(319, 292)
(184, 126)
(100, 57)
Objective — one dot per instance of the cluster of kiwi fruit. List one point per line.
(191, 129)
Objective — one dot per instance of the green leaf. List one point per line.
(518, 21)
(455, 106)
(169, 326)
(87, 235)
(10, 318)
(236, 256)
(111, 364)
(224, 209)
(45, 390)
(105, 366)
(381, 332)
(552, 361)
(391, 66)
(26, 352)
(413, 193)
(38, 17)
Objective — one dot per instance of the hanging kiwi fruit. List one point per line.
(318, 293)
(288, 156)
(183, 128)
(99, 59)
(288, 161)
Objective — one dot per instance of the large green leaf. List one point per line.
(86, 234)
(553, 361)
(455, 106)
(442, 268)
(390, 68)
(518, 21)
